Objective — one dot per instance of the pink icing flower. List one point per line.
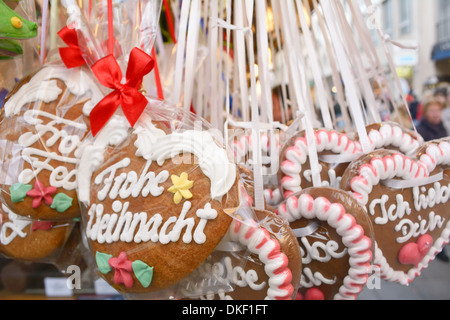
(122, 270)
(40, 193)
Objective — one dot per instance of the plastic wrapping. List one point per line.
(32, 240)
(336, 240)
(407, 201)
(273, 276)
(44, 120)
(159, 197)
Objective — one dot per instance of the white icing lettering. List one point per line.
(129, 184)
(224, 272)
(310, 279)
(59, 176)
(333, 181)
(410, 229)
(16, 225)
(313, 251)
(422, 200)
(123, 225)
(436, 195)
(394, 212)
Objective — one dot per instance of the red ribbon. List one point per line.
(109, 74)
(71, 55)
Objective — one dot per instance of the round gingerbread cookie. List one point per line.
(335, 239)
(335, 150)
(407, 202)
(157, 199)
(31, 240)
(45, 119)
(242, 260)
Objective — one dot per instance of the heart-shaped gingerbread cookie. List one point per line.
(335, 238)
(406, 199)
(157, 199)
(295, 163)
(45, 119)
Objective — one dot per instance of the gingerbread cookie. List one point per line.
(335, 239)
(335, 151)
(31, 240)
(157, 199)
(407, 201)
(243, 260)
(45, 118)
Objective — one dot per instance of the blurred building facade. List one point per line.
(426, 26)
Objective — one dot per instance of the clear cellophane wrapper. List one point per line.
(159, 198)
(272, 259)
(42, 124)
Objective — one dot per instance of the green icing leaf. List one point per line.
(19, 192)
(143, 272)
(61, 202)
(102, 262)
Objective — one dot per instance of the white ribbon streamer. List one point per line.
(181, 45)
(256, 137)
(191, 53)
(301, 89)
(315, 67)
(339, 158)
(347, 75)
(306, 231)
(405, 184)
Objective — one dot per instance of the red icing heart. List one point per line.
(312, 294)
(413, 253)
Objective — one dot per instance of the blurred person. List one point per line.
(431, 126)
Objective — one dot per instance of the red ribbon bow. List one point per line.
(133, 102)
(71, 55)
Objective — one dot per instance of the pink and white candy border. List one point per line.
(330, 140)
(401, 166)
(353, 237)
(259, 242)
(394, 135)
(297, 155)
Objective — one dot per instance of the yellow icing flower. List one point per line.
(180, 188)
